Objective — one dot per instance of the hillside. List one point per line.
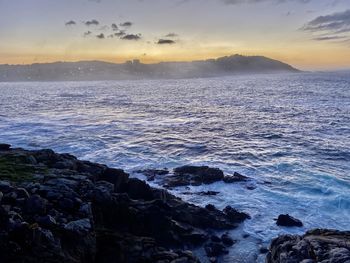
(98, 70)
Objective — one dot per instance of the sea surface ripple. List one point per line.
(289, 132)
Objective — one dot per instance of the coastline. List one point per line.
(63, 209)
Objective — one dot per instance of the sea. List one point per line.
(290, 133)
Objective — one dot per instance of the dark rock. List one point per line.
(227, 240)
(115, 176)
(287, 220)
(202, 193)
(78, 211)
(9, 198)
(199, 174)
(236, 177)
(251, 187)
(151, 174)
(215, 238)
(22, 193)
(263, 250)
(319, 245)
(47, 221)
(67, 204)
(81, 226)
(210, 207)
(208, 193)
(214, 249)
(94, 169)
(195, 237)
(5, 147)
(46, 156)
(36, 205)
(234, 215)
(103, 191)
(5, 187)
(138, 189)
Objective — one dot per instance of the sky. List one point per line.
(308, 34)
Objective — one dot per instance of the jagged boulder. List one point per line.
(319, 245)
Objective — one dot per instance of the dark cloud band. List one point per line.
(131, 37)
(335, 26)
(165, 42)
(92, 22)
(71, 23)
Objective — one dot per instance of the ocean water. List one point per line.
(290, 133)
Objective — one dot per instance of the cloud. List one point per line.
(165, 42)
(100, 36)
(92, 22)
(330, 27)
(330, 38)
(87, 33)
(114, 27)
(102, 28)
(120, 33)
(335, 22)
(126, 24)
(71, 23)
(131, 37)
(172, 35)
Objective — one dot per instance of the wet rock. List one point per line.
(151, 174)
(236, 177)
(227, 240)
(191, 175)
(263, 250)
(210, 207)
(5, 147)
(202, 193)
(78, 211)
(214, 249)
(195, 237)
(251, 187)
(289, 221)
(199, 174)
(234, 215)
(208, 193)
(215, 238)
(319, 245)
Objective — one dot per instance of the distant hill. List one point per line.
(98, 70)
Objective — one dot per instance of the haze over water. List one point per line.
(290, 133)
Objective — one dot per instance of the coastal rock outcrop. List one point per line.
(56, 208)
(289, 221)
(191, 175)
(319, 245)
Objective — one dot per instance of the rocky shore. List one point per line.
(319, 245)
(56, 208)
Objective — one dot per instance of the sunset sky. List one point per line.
(309, 34)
